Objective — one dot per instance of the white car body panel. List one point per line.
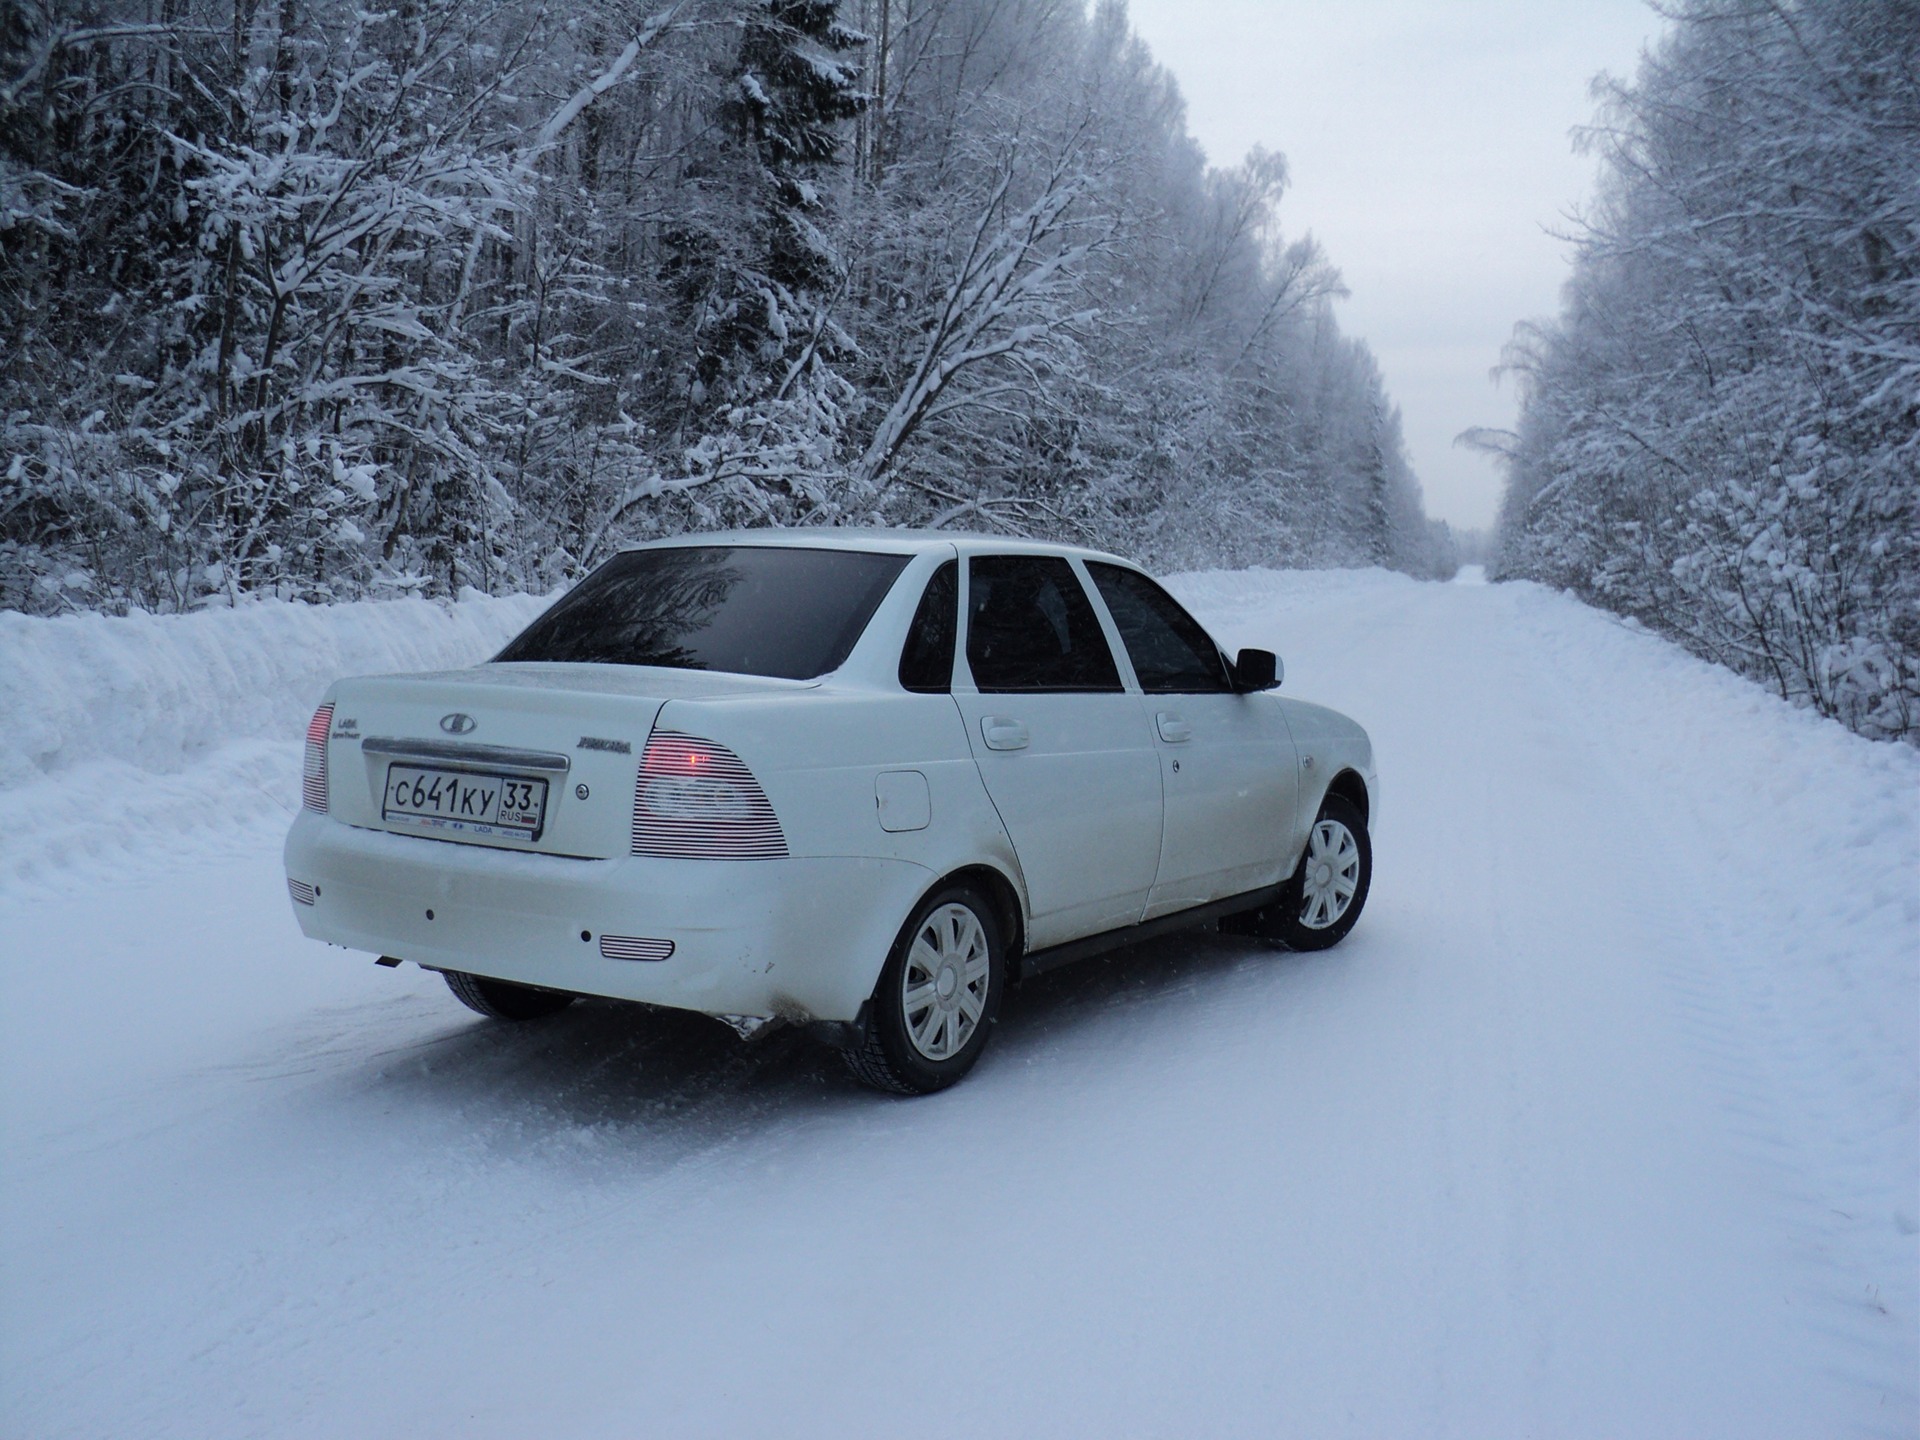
(538, 707)
(791, 938)
(880, 795)
(1237, 772)
(1081, 802)
(1328, 743)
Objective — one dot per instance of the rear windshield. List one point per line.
(744, 609)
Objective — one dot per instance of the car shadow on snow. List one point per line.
(652, 1076)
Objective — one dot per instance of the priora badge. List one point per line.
(457, 724)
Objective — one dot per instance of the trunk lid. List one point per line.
(531, 757)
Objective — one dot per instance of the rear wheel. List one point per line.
(1324, 897)
(504, 1000)
(933, 1011)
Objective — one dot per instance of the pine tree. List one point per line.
(791, 94)
(794, 95)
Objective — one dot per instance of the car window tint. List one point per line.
(748, 610)
(926, 664)
(1030, 626)
(1170, 651)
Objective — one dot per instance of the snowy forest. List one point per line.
(323, 299)
(1720, 435)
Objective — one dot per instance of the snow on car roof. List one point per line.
(891, 540)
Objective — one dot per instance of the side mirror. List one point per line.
(1256, 670)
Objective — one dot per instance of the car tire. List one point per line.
(504, 1000)
(1326, 893)
(933, 1011)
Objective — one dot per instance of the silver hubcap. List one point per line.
(944, 986)
(1331, 875)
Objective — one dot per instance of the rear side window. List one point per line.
(1030, 626)
(748, 610)
(1170, 651)
(926, 664)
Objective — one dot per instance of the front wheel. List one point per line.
(1327, 892)
(933, 1011)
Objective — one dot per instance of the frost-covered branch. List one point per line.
(1002, 300)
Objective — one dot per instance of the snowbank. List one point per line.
(161, 691)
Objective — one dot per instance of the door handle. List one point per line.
(1002, 733)
(1173, 729)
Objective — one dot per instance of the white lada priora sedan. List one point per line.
(855, 780)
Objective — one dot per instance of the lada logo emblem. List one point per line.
(457, 723)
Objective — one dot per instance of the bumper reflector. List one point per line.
(634, 947)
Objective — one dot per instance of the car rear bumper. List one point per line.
(801, 939)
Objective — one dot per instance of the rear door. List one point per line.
(1065, 752)
(1227, 759)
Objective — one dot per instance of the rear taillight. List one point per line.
(313, 780)
(694, 800)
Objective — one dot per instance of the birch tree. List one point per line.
(1720, 435)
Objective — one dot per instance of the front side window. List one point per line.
(781, 611)
(926, 664)
(1030, 626)
(1170, 651)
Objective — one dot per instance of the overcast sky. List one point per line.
(1428, 142)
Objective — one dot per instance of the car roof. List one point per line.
(886, 540)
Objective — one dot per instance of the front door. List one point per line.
(1228, 767)
(1066, 754)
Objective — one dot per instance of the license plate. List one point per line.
(469, 801)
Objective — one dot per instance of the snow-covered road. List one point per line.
(1602, 1123)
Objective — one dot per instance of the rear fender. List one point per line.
(821, 761)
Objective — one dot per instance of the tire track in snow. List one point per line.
(1800, 1109)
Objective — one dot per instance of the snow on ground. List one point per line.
(1602, 1122)
(114, 730)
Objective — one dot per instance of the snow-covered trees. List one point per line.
(314, 297)
(1721, 434)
